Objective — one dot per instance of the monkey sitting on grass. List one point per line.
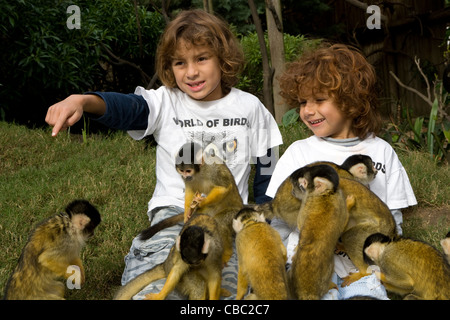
(411, 268)
(52, 248)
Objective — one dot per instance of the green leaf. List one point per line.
(290, 117)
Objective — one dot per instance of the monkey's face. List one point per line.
(187, 171)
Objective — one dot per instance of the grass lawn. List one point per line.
(40, 175)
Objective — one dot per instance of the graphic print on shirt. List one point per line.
(225, 137)
(221, 144)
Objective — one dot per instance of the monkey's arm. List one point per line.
(196, 200)
(58, 265)
(188, 210)
(216, 194)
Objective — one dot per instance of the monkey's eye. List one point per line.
(230, 146)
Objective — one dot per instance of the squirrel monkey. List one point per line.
(286, 206)
(411, 268)
(358, 167)
(321, 221)
(193, 267)
(210, 189)
(209, 184)
(368, 215)
(261, 257)
(52, 247)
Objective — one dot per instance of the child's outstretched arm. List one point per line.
(66, 113)
(112, 109)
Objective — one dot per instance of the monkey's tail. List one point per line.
(169, 222)
(137, 284)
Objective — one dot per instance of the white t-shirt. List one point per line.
(391, 184)
(237, 126)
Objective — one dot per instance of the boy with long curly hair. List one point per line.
(334, 88)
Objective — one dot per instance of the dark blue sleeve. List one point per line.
(123, 111)
(261, 181)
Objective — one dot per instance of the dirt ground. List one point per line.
(430, 217)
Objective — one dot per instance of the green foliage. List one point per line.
(235, 12)
(43, 60)
(430, 134)
(252, 79)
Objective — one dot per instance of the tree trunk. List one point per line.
(276, 43)
(267, 70)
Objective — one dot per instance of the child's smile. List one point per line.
(324, 118)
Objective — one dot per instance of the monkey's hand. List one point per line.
(350, 202)
(198, 197)
(152, 296)
(353, 277)
(224, 292)
(339, 248)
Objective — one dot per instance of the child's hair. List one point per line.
(345, 75)
(200, 28)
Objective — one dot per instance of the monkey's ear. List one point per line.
(321, 185)
(303, 183)
(375, 250)
(261, 217)
(177, 243)
(80, 221)
(237, 225)
(198, 157)
(206, 243)
(445, 243)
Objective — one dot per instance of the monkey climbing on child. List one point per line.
(321, 221)
(261, 257)
(210, 189)
(193, 267)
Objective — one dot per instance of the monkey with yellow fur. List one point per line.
(410, 268)
(368, 215)
(193, 267)
(358, 167)
(261, 257)
(210, 189)
(321, 221)
(209, 184)
(286, 206)
(53, 246)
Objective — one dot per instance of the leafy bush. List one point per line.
(252, 79)
(43, 60)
